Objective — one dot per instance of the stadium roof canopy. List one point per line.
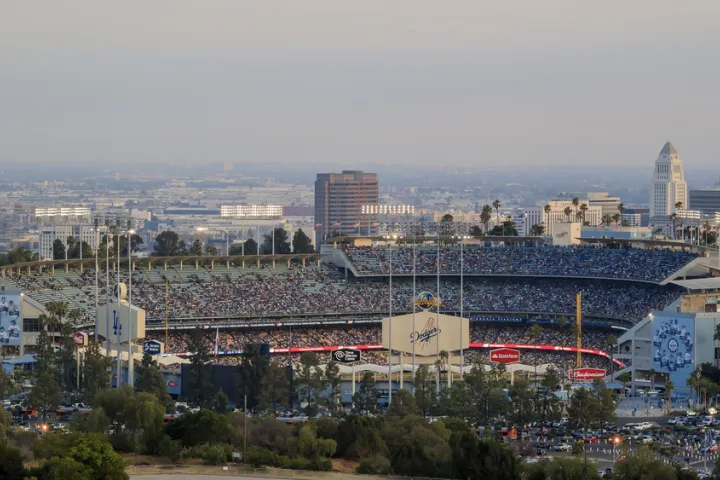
(433, 238)
(712, 283)
(648, 243)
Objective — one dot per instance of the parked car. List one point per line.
(562, 447)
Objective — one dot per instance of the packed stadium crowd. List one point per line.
(636, 264)
(235, 340)
(258, 293)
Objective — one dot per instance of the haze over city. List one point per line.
(425, 84)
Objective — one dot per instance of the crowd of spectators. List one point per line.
(320, 291)
(625, 263)
(235, 340)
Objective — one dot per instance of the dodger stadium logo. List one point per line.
(424, 336)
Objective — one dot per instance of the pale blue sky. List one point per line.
(413, 82)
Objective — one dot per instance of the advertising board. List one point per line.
(10, 322)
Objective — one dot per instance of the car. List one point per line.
(560, 423)
(691, 413)
(705, 421)
(646, 439)
(674, 421)
(643, 426)
(562, 447)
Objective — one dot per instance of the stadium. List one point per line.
(322, 302)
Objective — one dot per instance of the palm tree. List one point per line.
(547, 208)
(534, 332)
(583, 209)
(567, 211)
(652, 373)
(610, 342)
(496, 205)
(673, 219)
(679, 207)
(669, 387)
(621, 208)
(537, 230)
(624, 378)
(485, 216)
(616, 218)
(57, 310)
(575, 203)
(75, 315)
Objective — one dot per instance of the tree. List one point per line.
(58, 249)
(301, 243)
(202, 389)
(421, 388)
(95, 368)
(485, 216)
(11, 462)
(101, 461)
(611, 343)
(642, 464)
(475, 231)
(358, 436)
(366, 398)
(669, 387)
(45, 394)
(547, 209)
(583, 212)
(402, 404)
(481, 459)
(567, 211)
(522, 406)
(625, 378)
(64, 468)
(282, 244)
(309, 378)
(251, 247)
(254, 367)
(332, 384)
(616, 218)
(6, 384)
(583, 407)
(496, 205)
(276, 386)
(211, 250)
(547, 403)
(150, 379)
(168, 244)
(196, 249)
(537, 230)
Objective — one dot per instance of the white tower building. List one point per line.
(668, 185)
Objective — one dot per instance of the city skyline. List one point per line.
(358, 84)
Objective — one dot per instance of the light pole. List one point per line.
(131, 364)
(390, 298)
(97, 289)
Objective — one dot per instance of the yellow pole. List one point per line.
(167, 302)
(578, 322)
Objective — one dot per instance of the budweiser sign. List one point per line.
(587, 374)
(504, 355)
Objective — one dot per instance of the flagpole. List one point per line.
(439, 300)
(462, 322)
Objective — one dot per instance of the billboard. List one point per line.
(587, 374)
(673, 346)
(504, 355)
(10, 322)
(427, 335)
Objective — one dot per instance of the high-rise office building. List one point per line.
(706, 201)
(339, 201)
(668, 185)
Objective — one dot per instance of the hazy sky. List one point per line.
(474, 82)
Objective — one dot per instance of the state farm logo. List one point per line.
(504, 355)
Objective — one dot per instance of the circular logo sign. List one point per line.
(426, 300)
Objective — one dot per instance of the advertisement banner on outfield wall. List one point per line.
(10, 322)
(428, 334)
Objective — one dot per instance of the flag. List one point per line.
(217, 340)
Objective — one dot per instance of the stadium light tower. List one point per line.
(131, 363)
